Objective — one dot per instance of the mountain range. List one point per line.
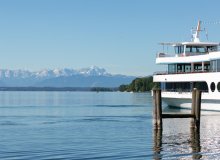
(86, 77)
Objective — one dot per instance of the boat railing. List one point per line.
(177, 90)
(166, 72)
(196, 54)
(161, 54)
(160, 73)
(180, 91)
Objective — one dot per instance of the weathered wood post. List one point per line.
(159, 109)
(193, 104)
(154, 109)
(198, 108)
(195, 115)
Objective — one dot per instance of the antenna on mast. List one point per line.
(206, 34)
(209, 23)
(196, 34)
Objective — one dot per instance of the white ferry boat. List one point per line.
(193, 64)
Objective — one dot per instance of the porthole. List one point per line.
(218, 86)
(212, 86)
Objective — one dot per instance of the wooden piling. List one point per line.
(195, 115)
(193, 100)
(193, 106)
(195, 112)
(159, 109)
(198, 108)
(154, 109)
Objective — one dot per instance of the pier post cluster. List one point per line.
(195, 112)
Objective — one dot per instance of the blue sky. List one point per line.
(121, 36)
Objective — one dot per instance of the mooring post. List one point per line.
(154, 108)
(198, 109)
(193, 104)
(159, 109)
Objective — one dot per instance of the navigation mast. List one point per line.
(196, 34)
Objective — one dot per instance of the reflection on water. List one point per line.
(75, 125)
(178, 145)
(90, 125)
(157, 143)
(179, 139)
(195, 142)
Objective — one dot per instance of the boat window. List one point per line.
(179, 49)
(200, 49)
(212, 48)
(185, 86)
(200, 86)
(218, 65)
(171, 68)
(213, 65)
(188, 49)
(207, 66)
(195, 49)
(218, 86)
(212, 86)
(184, 68)
(177, 86)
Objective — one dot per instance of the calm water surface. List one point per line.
(90, 125)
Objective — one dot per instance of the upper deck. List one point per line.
(187, 52)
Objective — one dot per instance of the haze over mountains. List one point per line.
(86, 77)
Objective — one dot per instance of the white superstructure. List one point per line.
(193, 64)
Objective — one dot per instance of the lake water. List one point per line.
(104, 125)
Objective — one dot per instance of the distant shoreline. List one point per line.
(71, 89)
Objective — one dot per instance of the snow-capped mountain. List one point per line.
(93, 71)
(49, 73)
(86, 77)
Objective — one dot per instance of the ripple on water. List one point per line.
(66, 125)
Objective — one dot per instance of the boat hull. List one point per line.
(206, 104)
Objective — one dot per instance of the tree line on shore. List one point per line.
(139, 85)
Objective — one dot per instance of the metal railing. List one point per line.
(161, 54)
(166, 72)
(181, 90)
